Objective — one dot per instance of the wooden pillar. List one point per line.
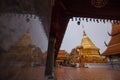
(49, 71)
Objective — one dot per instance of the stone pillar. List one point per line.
(49, 71)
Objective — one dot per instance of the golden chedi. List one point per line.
(87, 52)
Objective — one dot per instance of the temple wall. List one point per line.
(114, 63)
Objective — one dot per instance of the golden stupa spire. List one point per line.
(84, 34)
(86, 41)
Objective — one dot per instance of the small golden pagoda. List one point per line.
(87, 52)
(62, 57)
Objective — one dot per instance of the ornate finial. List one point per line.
(109, 34)
(105, 44)
(84, 34)
(99, 3)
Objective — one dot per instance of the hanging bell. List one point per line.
(78, 22)
(86, 19)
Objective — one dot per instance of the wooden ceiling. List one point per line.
(109, 9)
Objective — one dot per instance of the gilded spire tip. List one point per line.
(84, 34)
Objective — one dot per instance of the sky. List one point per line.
(97, 32)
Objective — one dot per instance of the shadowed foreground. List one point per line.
(28, 73)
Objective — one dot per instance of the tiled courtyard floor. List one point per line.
(62, 73)
(70, 73)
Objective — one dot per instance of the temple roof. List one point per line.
(115, 29)
(114, 44)
(62, 53)
(86, 42)
(113, 50)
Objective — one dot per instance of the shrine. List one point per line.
(62, 57)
